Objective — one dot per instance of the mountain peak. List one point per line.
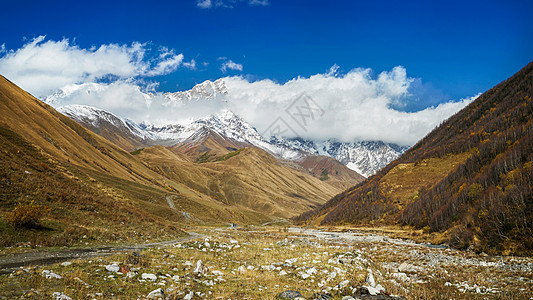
(205, 90)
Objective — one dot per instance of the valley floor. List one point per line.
(262, 262)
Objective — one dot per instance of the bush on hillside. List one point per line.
(27, 215)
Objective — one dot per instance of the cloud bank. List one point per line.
(357, 105)
(42, 67)
(349, 107)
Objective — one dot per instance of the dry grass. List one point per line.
(265, 252)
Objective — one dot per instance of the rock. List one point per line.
(241, 270)
(348, 298)
(156, 294)
(112, 268)
(60, 296)
(370, 278)
(322, 296)
(373, 291)
(50, 275)
(200, 269)
(148, 276)
(131, 274)
(289, 295)
(217, 273)
(189, 296)
(188, 264)
(406, 268)
(311, 271)
(66, 264)
(282, 273)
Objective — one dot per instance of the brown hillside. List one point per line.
(471, 178)
(247, 178)
(330, 170)
(93, 188)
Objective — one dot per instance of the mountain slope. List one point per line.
(93, 188)
(248, 178)
(123, 133)
(471, 178)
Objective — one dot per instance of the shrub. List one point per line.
(27, 215)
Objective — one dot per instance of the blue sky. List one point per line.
(459, 48)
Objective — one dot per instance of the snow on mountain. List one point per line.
(95, 117)
(227, 124)
(364, 157)
(205, 90)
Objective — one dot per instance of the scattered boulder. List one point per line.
(66, 263)
(406, 268)
(148, 276)
(200, 268)
(189, 296)
(370, 279)
(366, 292)
(50, 275)
(60, 296)
(322, 296)
(112, 268)
(289, 294)
(241, 270)
(156, 294)
(348, 298)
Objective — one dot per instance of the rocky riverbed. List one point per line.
(283, 263)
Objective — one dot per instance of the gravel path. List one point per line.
(13, 261)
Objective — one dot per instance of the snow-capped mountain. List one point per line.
(365, 158)
(205, 90)
(229, 125)
(96, 118)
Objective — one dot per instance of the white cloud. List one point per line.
(204, 3)
(43, 66)
(259, 2)
(230, 65)
(356, 105)
(190, 65)
(228, 3)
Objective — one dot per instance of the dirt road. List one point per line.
(13, 261)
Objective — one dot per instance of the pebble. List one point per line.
(50, 275)
(60, 296)
(112, 268)
(156, 294)
(148, 276)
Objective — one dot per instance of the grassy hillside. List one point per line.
(250, 178)
(470, 179)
